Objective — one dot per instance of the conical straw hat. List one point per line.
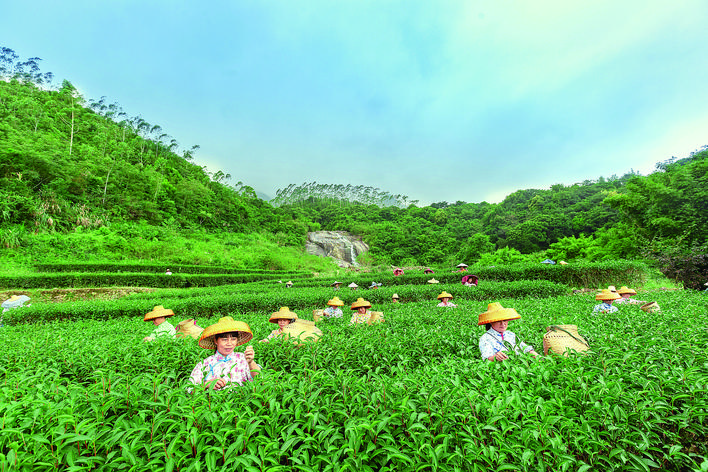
(624, 289)
(360, 302)
(335, 302)
(395, 295)
(444, 295)
(335, 283)
(352, 285)
(157, 312)
(283, 314)
(606, 294)
(433, 281)
(496, 312)
(225, 325)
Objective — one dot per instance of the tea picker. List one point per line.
(164, 328)
(497, 343)
(226, 366)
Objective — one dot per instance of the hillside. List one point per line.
(80, 178)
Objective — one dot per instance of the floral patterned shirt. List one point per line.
(604, 308)
(332, 312)
(449, 304)
(232, 368)
(492, 342)
(274, 334)
(359, 318)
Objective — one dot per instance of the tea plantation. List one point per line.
(79, 390)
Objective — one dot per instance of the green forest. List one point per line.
(81, 179)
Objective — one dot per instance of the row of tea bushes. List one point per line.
(108, 279)
(267, 301)
(409, 395)
(155, 268)
(596, 274)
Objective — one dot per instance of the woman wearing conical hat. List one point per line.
(164, 328)
(282, 318)
(362, 313)
(497, 343)
(226, 366)
(395, 298)
(445, 298)
(333, 309)
(627, 293)
(607, 297)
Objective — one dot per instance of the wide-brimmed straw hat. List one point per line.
(283, 314)
(225, 325)
(461, 265)
(433, 281)
(289, 282)
(335, 302)
(563, 263)
(395, 295)
(624, 289)
(606, 294)
(335, 283)
(157, 312)
(360, 302)
(496, 312)
(612, 288)
(444, 295)
(352, 285)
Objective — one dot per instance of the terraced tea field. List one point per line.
(79, 390)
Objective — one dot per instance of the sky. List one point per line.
(445, 100)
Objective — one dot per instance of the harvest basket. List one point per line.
(302, 330)
(188, 328)
(375, 317)
(651, 307)
(317, 315)
(561, 338)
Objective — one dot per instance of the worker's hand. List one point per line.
(499, 356)
(219, 384)
(250, 354)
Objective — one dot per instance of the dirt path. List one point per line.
(59, 295)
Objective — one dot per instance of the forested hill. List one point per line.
(68, 164)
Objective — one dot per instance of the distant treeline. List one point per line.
(69, 164)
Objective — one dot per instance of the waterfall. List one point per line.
(348, 244)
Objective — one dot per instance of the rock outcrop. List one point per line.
(339, 245)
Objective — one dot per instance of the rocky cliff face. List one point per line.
(339, 245)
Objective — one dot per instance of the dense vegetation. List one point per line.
(84, 180)
(83, 392)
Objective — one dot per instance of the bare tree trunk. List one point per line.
(71, 138)
(105, 186)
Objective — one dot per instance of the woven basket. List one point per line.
(651, 307)
(302, 330)
(317, 315)
(375, 317)
(561, 338)
(188, 328)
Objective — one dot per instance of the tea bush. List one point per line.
(410, 394)
(241, 299)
